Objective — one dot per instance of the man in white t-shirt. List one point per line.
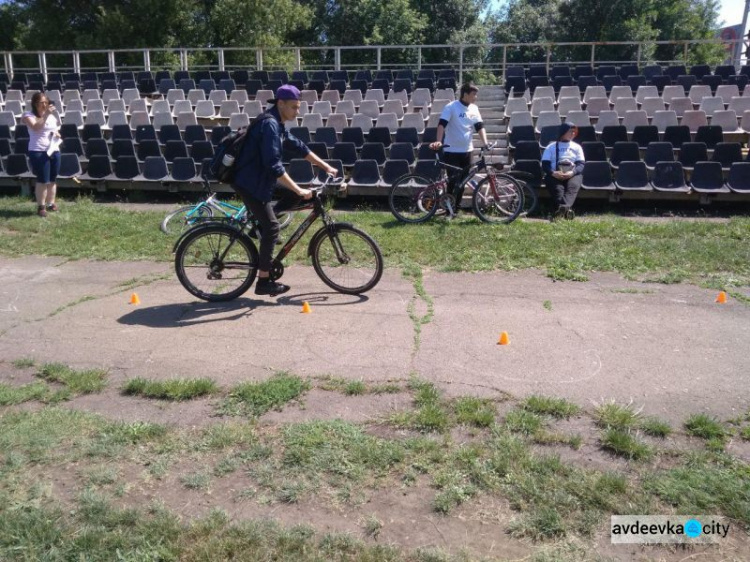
(458, 122)
(562, 163)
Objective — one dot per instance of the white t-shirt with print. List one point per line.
(570, 151)
(459, 131)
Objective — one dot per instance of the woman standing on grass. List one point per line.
(44, 123)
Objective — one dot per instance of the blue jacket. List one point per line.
(260, 162)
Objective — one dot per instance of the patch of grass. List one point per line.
(132, 433)
(257, 398)
(544, 437)
(625, 444)
(613, 416)
(474, 411)
(220, 436)
(631, 291)
(669, 278)
(102, 475)
(23, 363)
(372, 526)
(78, 382)
(339, 449)
(547, 305)
(522, 421)
(705, 427)
(196, 480)
(565, 271)
(355, 388)
(174, 389)
(385, 388)
(10, 395)
(545, 405)
(655, 427)
(706, 483)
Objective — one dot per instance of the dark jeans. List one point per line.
(564, 193)
(463, 161)
(45, 167)
(265, 213)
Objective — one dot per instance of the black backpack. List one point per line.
(224, 163)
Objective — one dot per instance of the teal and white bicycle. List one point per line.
(211, 208)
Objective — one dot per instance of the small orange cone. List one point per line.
(503, 339)
(721, 298)
(306, 308)
(134, 299)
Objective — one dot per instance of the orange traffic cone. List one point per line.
(134, 299)
(306, 308)
(503, 339)
(721, 298)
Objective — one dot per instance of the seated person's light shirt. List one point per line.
(570, 151)
(459, 131)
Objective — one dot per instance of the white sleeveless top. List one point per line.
(39, 141)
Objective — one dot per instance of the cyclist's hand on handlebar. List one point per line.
(437, 145)
(331, 171)
(305, 193)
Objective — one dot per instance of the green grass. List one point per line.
(614, 416)
(77, 382)
(174, 389)
(705, 427)
(257, 398)
(566, 251)
(555, 407)
(474, 411)
(705, 483)
(323, 462)
(10, 395)
(547, 305)
(745, 433)
(525, 422)
(625, 444)
(23, 363)
(655, 427)
(355, 387)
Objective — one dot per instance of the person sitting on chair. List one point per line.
(562, 163)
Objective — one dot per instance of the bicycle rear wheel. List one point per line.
(500, 203)
(530, 199)
(216, 262)
(347, 259)
(414, 198)
(185, 217)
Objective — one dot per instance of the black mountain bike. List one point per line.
(218, 260)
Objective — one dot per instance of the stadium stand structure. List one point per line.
(645, 131)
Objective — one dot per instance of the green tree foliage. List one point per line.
(112, 24)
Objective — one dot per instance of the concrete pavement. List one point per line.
(669, 348)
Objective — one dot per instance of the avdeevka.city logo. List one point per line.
(653, 529)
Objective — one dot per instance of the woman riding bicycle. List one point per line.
(455, 131)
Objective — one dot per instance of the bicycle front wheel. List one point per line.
(414, 198)
(216, 263)
(185, 217)
(498, 199)
(347, 259)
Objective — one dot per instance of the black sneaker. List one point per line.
(559, 214)
(570, 215)
(268, 287)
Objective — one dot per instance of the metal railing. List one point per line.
(476, 60)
